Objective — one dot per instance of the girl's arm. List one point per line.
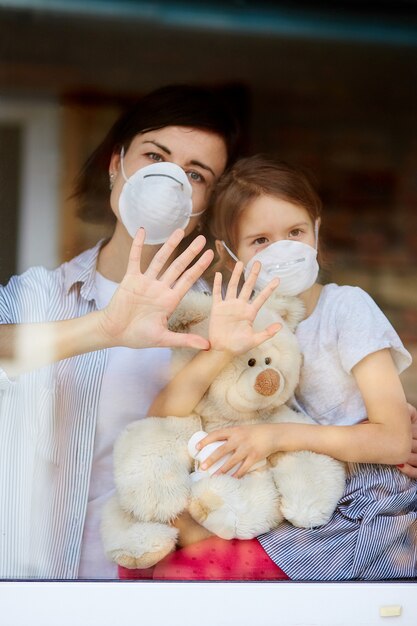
(231, 333)
(385, 438)
(136, 317)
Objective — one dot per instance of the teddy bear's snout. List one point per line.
(267, 382)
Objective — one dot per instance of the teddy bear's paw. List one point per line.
(134, 544)
(311, 486)
(310, 517)
(147, 559)
(236, 508)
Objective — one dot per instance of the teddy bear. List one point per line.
(156, 463)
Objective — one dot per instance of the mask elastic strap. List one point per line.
(316, 234)
(234, 257)
(122, 154)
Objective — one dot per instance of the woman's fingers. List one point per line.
(180, 264)
(163, 254)
(184, 340)
(133, 265)
(189, 277)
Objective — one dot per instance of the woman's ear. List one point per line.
(114, 164)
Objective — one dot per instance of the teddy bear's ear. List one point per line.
(290, 308)
(193, 309)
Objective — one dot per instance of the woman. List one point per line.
(70, 375)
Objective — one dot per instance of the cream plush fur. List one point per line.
(152, 464)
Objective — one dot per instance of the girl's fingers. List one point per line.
(228, 465)
(266, 334)
(218, 454)
(180, 264)
(217, 288)
(244, 468)
(133, 265)
(250, 282)
(189, 277)
(266, 292)
(163, 254)
(231, 291)
(217, 435)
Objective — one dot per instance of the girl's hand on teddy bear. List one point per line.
(247, 445)
(231, 319)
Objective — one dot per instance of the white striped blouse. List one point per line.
(47, 427)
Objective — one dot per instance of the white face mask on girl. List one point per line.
(293, 262)
(158, 198)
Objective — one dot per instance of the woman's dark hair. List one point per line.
(173, 105)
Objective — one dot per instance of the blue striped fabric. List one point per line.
(47, 427)
(371, 536)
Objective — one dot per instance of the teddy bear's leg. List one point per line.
(152, 467)
(236, 508)
(134, 544)
(310, 485)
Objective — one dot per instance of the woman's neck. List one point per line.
(114, 256)
(310, 298)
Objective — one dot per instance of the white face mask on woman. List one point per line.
(158, 198)
(293, 262)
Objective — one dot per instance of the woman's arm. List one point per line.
(410, 467)
(136, 317)
(231, 333)
(385, 438)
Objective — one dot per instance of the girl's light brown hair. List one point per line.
(249, 179)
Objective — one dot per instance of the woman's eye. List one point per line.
(195, 177)
(154, 156)
(297, 232)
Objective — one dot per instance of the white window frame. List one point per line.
(38, 234)
(106, 603)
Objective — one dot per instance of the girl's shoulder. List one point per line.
(333, 294)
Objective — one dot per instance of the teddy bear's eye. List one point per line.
(252, 362)
(268, 360)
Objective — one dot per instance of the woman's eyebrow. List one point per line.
(203, 166)
(158, 145)
(168, 151)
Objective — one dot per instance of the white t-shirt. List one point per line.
(131, 381)
(345, 327)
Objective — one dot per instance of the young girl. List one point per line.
(349, 385)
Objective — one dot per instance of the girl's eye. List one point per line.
(297, 232)
(154, 156)
(260, 240)
(195, 177)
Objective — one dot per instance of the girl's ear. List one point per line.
(225, 258)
